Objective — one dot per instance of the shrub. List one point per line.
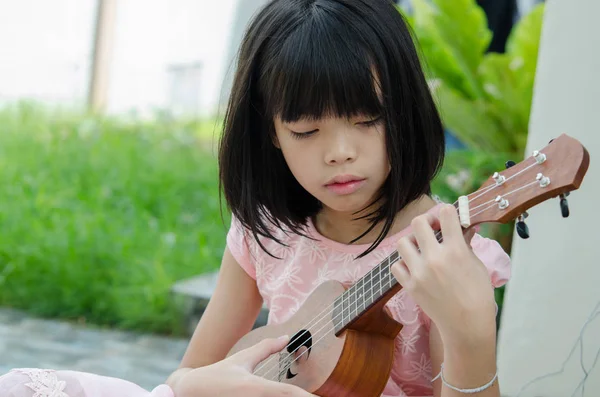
(101, 216)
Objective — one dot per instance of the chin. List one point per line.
(346, 204)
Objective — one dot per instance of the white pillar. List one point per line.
(556, 278)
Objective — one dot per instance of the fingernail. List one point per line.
(284, 337)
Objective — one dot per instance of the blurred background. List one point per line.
(109, 115)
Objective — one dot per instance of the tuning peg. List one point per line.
(522, 228)
(509, 163)
(564, 205)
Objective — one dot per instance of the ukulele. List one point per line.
(342, 340)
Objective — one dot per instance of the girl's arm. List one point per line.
(230, 314)
(467, 365)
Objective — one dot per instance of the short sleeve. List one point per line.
(237, 242)
(495, 259)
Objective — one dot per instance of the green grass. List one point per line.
(99, 217)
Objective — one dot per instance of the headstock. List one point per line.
(553, 171)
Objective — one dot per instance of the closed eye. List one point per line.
(301, 135)
(371, 123)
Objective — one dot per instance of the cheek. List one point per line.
(300, 163)
(379, 153)
(296, 156)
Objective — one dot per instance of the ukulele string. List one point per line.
(389, 281)
(322, 315)
(275, 367)
(493, 186)
(389, 275)
(319, 318)
(485, 190)
(507, 194)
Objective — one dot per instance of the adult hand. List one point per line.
(233, 376)
(446, 279)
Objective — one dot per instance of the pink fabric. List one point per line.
(285, 284)
(34, 382)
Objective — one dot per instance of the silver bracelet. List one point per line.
(466, 391)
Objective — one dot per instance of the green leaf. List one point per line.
(469, 120)
(454, 37)
(524, 41)
(522, 47)
(507, 103)
(435, 56)
(464, 25)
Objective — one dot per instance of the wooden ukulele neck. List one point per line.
(377, 284)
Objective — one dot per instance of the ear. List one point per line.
(275, 141)
(273, 133)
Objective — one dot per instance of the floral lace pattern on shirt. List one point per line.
(43, 382)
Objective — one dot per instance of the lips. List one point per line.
(345, 184)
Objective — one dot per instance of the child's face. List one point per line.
(353, 151)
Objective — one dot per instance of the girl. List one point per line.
(330, 144)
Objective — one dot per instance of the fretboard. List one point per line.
(364, 293)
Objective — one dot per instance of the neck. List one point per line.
(343, 227)
(378, 284)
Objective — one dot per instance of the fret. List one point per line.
(356, 297)
(345, 308)
(388, 275)
(337, 316)
(337, 307)
(392, 259)
(376, 287)
(383, 285)
(353, 301)
(360, 295)
(368, 289)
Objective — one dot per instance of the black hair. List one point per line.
(309, 59)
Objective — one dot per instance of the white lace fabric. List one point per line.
(35, 382)
(38, 382)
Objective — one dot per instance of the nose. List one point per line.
(341, 149)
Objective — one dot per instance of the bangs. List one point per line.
(318, 70)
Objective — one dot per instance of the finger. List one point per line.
(275, 389)
(408, 252)
(450, 224)
(469, 235)
(400, 272)
(253, 355)
(422, 227)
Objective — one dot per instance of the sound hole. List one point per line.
(299, 350)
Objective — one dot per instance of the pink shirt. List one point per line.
(286, 283)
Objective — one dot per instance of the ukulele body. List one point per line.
(356, 363)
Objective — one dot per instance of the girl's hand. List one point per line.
(446, 279)
(233, 377)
